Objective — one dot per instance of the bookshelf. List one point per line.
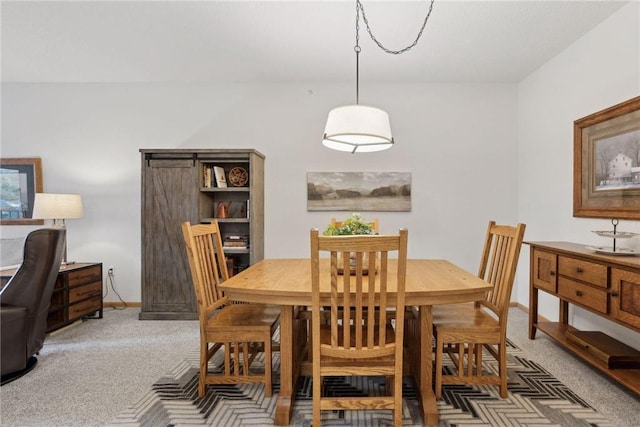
(181, 185)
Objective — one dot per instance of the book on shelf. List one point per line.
(236, 242)
(221, 179)
(206, 177)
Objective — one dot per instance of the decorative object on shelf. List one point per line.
(20, 179)
(58, 207)
(359, 191)
(238, 177)
(615, 234)
(359, 128)
(606, 164)
(223, 210)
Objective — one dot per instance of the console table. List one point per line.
(606, 285)
(76, 294)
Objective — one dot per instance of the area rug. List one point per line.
(535, 398)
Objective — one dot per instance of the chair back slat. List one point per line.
(498, 264)
(359, 280)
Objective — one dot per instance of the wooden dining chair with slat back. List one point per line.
(358, 340)
(242, 331)
(463, 330)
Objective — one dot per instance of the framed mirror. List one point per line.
(20, 180)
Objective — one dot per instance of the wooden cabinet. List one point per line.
(77, 294)
(606, 285)
(176, 187)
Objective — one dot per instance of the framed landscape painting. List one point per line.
(20, 180)
(359, 191)
(606, 175)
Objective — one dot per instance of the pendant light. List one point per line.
(359, 128)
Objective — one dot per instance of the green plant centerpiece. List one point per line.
(354, 225)
(350, 226)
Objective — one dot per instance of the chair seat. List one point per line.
(244, 316)
(462, 317)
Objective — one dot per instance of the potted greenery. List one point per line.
(354, 225)
(350, 226)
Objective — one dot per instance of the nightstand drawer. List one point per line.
(586, 271)
(85, 275)
(85, 307)
(83, 292)
(584, 295)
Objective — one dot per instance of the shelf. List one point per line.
(224, 190)
(630, 378)
(225, 220)
(232, 250)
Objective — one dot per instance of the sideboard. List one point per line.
(77, 293)
(607, 285)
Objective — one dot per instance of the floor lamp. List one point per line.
(58, 207)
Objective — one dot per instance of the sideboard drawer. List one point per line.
(584, 295)
(85, 275)
(586, 271)
(80, 293)
(85, 307)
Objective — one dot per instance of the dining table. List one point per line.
(287, 283)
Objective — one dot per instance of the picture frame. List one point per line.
(359, 191)
(606, 169)
(20, 179)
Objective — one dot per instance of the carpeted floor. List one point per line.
(88, 375)
(535, 398)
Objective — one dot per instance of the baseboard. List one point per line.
(526, 310)
(120, 304)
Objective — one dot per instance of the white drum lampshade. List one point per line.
(358, 129)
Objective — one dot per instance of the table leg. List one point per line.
(427, 395)
(285, 396)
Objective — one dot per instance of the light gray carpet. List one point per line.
(90, 373)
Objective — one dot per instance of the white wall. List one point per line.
(88, 136)
(599, 70)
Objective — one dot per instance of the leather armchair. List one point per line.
(24, 302)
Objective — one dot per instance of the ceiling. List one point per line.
(286, 41)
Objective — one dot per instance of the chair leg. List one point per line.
(439, 349)
(479, 360)
(267, 366)
(317, 389)
(204, 362)
(397, 397)
(502, 369)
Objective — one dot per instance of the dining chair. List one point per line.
(242, 331)
(468, 328)
(358, 340)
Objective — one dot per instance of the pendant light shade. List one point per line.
(357, 129)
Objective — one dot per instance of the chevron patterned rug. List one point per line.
(535, 398)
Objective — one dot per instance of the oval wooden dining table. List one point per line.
(287, 283)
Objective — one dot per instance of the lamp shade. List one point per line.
(57, 206)
(357, 129)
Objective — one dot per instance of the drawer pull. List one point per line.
(579, 270)
(578, 293)
(615, 294)
(552, 273)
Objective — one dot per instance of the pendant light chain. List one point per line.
(357, 49)
(394, 52)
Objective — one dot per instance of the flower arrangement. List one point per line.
(350, 226)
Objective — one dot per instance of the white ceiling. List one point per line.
(284, 41)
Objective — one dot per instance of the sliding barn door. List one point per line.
(169, 196)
